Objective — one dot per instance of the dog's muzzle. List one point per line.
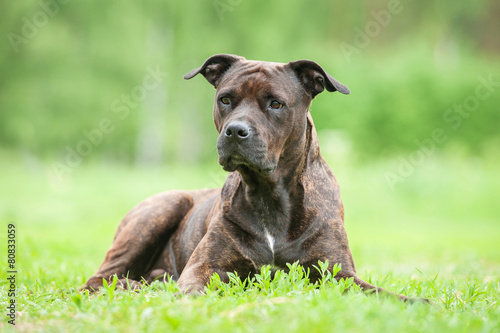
(239, 146)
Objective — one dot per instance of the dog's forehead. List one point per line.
(261, 65)
(260, 75)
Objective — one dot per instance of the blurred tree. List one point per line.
(64, 64)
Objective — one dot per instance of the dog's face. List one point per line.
(259, 106)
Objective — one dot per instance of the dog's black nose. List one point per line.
(237, 130)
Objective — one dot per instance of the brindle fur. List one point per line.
(279, 189)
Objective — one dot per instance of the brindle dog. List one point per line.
(280, 203)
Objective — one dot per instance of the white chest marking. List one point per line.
(270, 240)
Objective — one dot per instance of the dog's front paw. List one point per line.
(92, 285)
(129, 284)
(191, 290)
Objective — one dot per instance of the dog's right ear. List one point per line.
(213, 68)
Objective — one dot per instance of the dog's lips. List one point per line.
(233, 161)
(236, 161)
(268, 171)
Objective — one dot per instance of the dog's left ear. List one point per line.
(213, 68)
(315, 79)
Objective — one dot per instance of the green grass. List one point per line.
(436, 235)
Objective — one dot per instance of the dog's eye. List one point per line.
(225, 100)
(276, 105)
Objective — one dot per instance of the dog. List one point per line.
(280, 203)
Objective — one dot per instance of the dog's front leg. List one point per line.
(216, 253)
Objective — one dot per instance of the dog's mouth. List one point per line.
(237, 162)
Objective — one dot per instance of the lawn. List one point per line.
(436, 234)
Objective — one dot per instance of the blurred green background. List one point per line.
(94, 114)
(64, 64)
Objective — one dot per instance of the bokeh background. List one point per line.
(95, 116)
(63, 66)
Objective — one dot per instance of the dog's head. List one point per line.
(261, 107)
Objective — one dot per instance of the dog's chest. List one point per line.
(270, 241)
(268, 221)
(272, 249)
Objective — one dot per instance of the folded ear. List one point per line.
(315, 79)
(213, 68)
